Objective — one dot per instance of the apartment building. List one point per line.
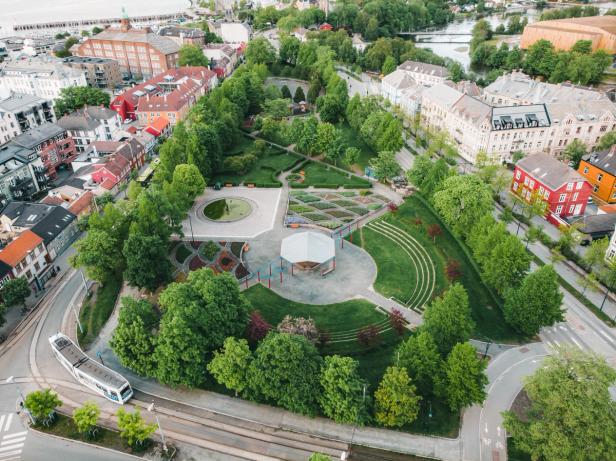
(91, 124)
(424, 74)
(183, 35)
(599, 169)
(28, 257)
(223, 58)
(575, 112)
(21, 112)
(169, 95)
(99, 72)
(22, 173)
(140, 53)
(515, 114)
(43, 77)
(564, 190)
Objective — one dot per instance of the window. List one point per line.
(517, 174)
(575, 196)
(546, 195)
(559, 209)
(571, 208)
(579, 185)
(515, 187)
(599, 177)
(541, 190)
(526, 181)
(585, 170)
(569, 186)
(595, 188)
(562, 197)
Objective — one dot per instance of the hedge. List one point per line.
(368, 185)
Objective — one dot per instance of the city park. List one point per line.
(294, 280)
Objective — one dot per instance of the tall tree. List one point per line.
(571, 414)
(15, 291)
(76, 97)
(385, 165)
(285, 371)
(421, 358)
(343, 398)
(186, 185)
(395, 401)
(448, 319)
(536, 303)
(465, 377)
(507, 264)
(574, 152)
(133, 428)
(299, 95)
(147, 265)
(99, 253)
(230, 365)
(462, 201)
(260, 51)
(133, 340)
(192, 55)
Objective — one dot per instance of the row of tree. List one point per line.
(465, 203)
(42, 407)
(580, 64)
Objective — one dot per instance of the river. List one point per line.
(459, 51)
(34, 11)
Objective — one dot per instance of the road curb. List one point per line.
(66, 439)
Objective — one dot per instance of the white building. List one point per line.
(40, 77)
(476, 126)
(517, 113)
(575, 112)
(402, 90)
(424, 74)
(358, 43)
(232, 32)
(91, 124)
(21, 112)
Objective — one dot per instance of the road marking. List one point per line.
(16, 440)
(9, 420)
(16, 434)
(10, 453)
(11, 447)
(605, 335)
(486, 428)
(498, 430)
(556, 342)
(2, 422)
(576, 342)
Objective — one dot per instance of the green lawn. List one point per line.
(373, 361)
(319, 175)
(264, 170)
(351, 139)
(393, 267)
(93, 316)
(243, 143)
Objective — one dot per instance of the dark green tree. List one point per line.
(536, 303)
(285, 371)
(42, 405)
(133, 340)
(286, 93)
(343, 398)
(448, 319)
(147, 264)
(260, 51)
(15, 291)
(421, 358)
(230, 365)
(76, 97)
(507, 264)
(299, 95)
(192, 55)
(465, 377)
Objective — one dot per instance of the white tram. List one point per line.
(96, 376)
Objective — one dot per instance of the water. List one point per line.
(459, 51)
(33, 11)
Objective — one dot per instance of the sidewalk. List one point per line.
(568, 271)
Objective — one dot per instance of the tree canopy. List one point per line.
(76, 97)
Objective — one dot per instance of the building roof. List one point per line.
(518, 85)
(472, 109)
(424, 68)
(42, 67)
(524, 116)
(20, 101)
(309, 246)
(158, 126)
(53, 224)
(87, 60)
(15, 152)
(549, 171)
(598, 225)
(603, 159)
(86, 119)
(35, 136)
(174, 101)
(164, 45)
(443, 95)
(17, 250)
(399, 79)
(5, 269)
(27, 214)
(182, 32)
(605, 23)
(81, 203)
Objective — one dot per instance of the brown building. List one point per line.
(563, 33)
(99, 72)
(140, 52)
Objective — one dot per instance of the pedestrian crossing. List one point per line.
(11, 443)
(562, 335)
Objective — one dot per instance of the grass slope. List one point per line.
(95, 314)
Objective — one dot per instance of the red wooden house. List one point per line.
(564, 189)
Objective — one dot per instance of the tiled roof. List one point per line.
(38, 135)
(17, 250)
(86, 119)
(81, 203)
(603, 159)
(424, 68)
(53, 224)
(549, 171)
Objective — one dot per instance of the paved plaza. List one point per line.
(264, 202)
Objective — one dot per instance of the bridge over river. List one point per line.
(438, 37)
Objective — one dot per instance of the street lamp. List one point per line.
(151, 409)
(11, 380)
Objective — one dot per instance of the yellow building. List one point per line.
(563, 33)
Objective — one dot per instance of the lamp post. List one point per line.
(191, 228)
(11, 380)
(151, 409)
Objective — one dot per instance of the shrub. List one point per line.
(257, 328)
(368, 336)
(299, 326)
(453, 270)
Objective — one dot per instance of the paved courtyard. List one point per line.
(355, 271)
(265, 203)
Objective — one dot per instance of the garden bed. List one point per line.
(321, 176)
(96, 310)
